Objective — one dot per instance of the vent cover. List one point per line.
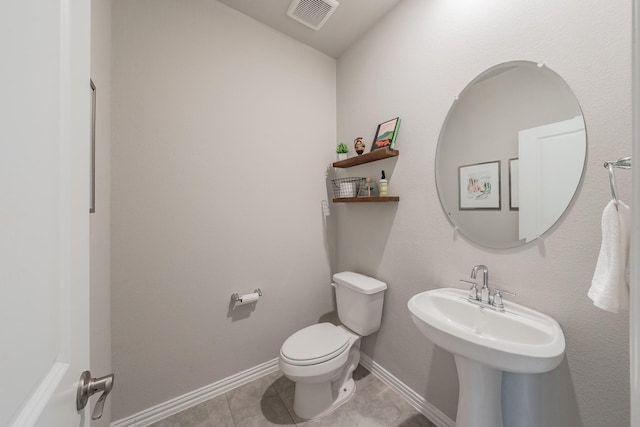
(312, 13)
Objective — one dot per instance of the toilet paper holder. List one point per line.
(239, 299)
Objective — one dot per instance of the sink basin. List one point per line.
(516, 340)
(485, 343)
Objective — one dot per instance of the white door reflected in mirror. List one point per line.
(550, 168)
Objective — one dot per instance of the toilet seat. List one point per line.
(314, 344)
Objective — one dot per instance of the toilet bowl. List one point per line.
(321, 358)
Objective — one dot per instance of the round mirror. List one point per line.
(510, 154)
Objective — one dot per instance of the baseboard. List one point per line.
(188, 400)
(418, 402)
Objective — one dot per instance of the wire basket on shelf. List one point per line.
(346, 187)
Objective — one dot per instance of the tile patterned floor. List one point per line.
(268, 401)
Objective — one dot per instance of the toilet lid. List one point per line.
(315, 344)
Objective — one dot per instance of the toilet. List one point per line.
(321, 358)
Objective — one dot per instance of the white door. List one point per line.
(550, 167)
(44, 210)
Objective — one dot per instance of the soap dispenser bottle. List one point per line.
(383, 185)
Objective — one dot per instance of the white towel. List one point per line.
(610, 285)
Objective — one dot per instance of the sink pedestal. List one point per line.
(480, 395)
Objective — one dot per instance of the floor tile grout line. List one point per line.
(233, 419)
(280, 395)
(293, 421)
(291, 415)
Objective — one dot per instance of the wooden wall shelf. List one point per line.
(372, 156)
(367, 199)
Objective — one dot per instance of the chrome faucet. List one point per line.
(483, 297)
(485, 292)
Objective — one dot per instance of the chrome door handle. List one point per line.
(88, 386)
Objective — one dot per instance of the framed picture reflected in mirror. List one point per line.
(479, 186)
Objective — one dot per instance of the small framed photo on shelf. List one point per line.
(386, 134)
(479, 186)
(514, 185)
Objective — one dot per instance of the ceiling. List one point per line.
(351, 19)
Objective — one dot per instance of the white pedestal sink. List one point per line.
(486, 343)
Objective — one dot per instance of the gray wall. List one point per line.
(222, 133)
(420, 56)
(100, 221)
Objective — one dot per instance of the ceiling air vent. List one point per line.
(312, 13)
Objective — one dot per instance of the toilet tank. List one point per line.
(359, 299)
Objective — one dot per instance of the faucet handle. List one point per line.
(497, 298)
(473, 291)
